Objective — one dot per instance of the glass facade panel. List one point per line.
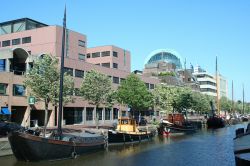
(3, 88)
(2, 64)
(5, 29)
(69, 71)
(18, 27)
(6, 43)
(81, 56)
(89, 113)
(26, 40)
(106, 65)
(107, 113)
(116, 80)
(16, 41)
(115, 54)
(95, 54)
(105, 53)
(115, 65)
(79, 73)
(81, 43)
(18, 90)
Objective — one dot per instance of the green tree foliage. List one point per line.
(133, 92)
(96, 88)
(225, 104)
(43, 82)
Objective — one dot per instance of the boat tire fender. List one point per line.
(74, 155)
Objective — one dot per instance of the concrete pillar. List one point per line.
(26, 117)
(84, 115)
(111, 114)
(7, 65)
(94, 116)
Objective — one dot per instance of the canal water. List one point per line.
(204, 148)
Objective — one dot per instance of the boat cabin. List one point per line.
(126, 124)
(176, 118)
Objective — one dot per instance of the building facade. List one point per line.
(23, 40)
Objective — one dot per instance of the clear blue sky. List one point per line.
(198, 30)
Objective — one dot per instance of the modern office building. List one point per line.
(23, 40)
(207, 81)
(223, 86)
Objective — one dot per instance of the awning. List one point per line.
(5, 111)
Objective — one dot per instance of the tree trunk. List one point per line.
(97, 117)
(45, 117)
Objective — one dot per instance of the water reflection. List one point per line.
(206, 147)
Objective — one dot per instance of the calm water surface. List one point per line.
(204, 148)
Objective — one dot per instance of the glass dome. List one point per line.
(165, 55)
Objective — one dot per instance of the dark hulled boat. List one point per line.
(215, 122)
(128, 132)
(166, 128)
(30, 146)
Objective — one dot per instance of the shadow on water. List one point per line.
(206, 147)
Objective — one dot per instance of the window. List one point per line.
(116, 80)
(16, 41)
(89, 113)
(95, 54)
(3, 88)
(107, 113)
(69, 71)
(18, 90)
(2, 64)
(81, 43)
(115, 54)
(99, 113)
(115, 65)
(115, 113)
(26, 40)
(98, 64)
(152, 86)
(81, 56)
(106, 65)
(29, 52)
(88, 56)
(0, 44)
(105, 53)
(147, 85)
(6, 43)
(79, 73)
(122, 79)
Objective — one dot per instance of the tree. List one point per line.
(225, 104)
(133, 92)
(96, 88)
(43, 81)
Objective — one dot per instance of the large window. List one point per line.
(115, 113)
(99, 113)
(89, 113)
(3, 88)
(2, 64)
(115, 65)
(116, 80)
(106, 65)
(26, 40)
(95, 54)
(115, 54)
(81, 56)
(68, 71)
(6, 43)
(107, 113)
(152, 86)
(16, 41)
(18, 90)
(81, 43)
(88, 56)
(79, 73)
(105, 53)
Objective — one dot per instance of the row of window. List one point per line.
(90, 115)
(115, 65)
(18, 90)
(208, 90)
(16, 41)
(101, 54)
(207, 83)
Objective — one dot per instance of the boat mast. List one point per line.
(233, 97)
(217, 88)
(61, 76)
(243, 100)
